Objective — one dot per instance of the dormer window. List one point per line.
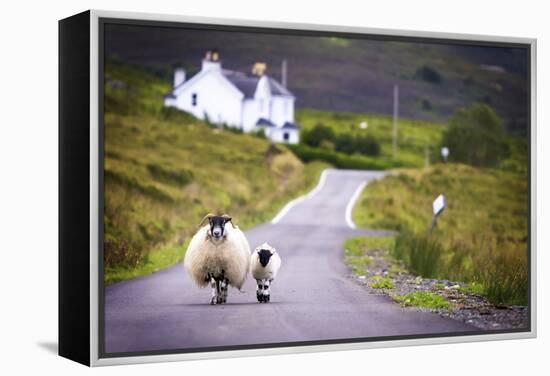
(194, 99)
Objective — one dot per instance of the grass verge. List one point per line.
(481, 237)
(354, 252)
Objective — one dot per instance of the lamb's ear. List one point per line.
(228, 219)
(206, 217)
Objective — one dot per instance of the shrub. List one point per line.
(476, 136)
(349, 144)
(339, 160)
(428, 74)
(315, 136)
(426, 105)
(323, 136)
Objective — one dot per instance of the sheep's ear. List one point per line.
(228, 219)
(206, 217)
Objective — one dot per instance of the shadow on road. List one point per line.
(252, 303)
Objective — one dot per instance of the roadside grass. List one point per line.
(165, 170)
(413, 135)
(379, 282)
(480, 238)
(355, 252)
(422, 299)
(156, 260)
(473, 288)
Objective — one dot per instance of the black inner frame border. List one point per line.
(102, 21)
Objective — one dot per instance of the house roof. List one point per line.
(264, 122)
(277, 88)
(248, 84)
(289, 125)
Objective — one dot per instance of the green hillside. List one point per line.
(165, 170)
(347, 74)
(413, 136)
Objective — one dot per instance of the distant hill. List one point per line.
(353, 75)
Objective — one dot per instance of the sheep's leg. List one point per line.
(259, 292)
(214, 291)
(224, 286)
(266, 290)
(226, 290)
(219, 289)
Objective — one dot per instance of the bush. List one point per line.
(349, 144)
(355, 162)
(475, 136)
(315, 136)
(428, 74)
(323, 136)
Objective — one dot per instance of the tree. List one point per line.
(476, 136)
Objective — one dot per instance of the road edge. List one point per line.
(297, 200)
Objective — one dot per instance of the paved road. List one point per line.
(312, 299)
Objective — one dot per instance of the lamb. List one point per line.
(219, 255)
(264, 266)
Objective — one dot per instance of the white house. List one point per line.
(247, 101)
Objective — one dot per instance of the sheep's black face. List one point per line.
(217, 226)
(264, 255)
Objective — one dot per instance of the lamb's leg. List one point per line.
(266, 290)
(214, 291)
(259, 293)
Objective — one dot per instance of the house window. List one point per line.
(286, 136)
(194, 99)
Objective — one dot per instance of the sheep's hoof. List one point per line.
(219, 300)
(213, 300)
(266, 298)
(260, 297)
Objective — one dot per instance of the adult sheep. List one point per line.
(219, 255)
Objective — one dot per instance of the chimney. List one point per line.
(258, 69)
(211, 60)
(179, 77)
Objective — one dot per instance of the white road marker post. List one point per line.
(438, 205)
(445, 153)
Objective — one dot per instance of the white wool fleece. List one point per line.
(232, 255)
(271, 269)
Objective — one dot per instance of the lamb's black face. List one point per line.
(217, 226)
(264, 255)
